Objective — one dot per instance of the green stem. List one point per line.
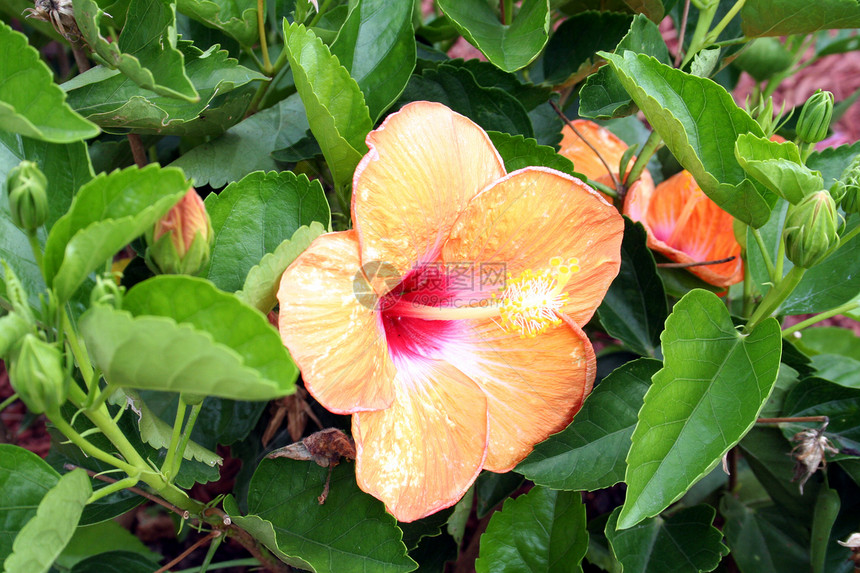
(35, 247)
(319, 14)
(5, 403)
(80, 354)
(703, 24)
(174, 441)
(130, 481)
(603, 188)
(843, 240)
(848, 306)
(718, 29)
(261, 27)
(507, 11)
(87, 447)
(748, 291)
(186, 436)
(779, 264)
(765, 255)
(652, 144)
(775, 297)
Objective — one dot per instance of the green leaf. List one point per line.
(830, 340)
(24, 479)
(46, 534)
(683, 543)
(491, 489)
(699, 122)
(236, 18)
(456, 525)
(603, 96)
(252, 217)
(818, 397)
(31, 104)
(509, 46)
(492, 108)
(96, 539)
(518, 152)
(350, 532)
(543, 530)
(117, 104)
(430, 526)
(377, 46)
(189, 360)
(116, 562)
(832, 161)
(146, 52)
(788, 17)
(826, 510)
(777, 166)
(105, 215)
(337, 114)
(713, 383)
(764, 540)
(634, 308)
(589, 453)
(261, 285)
(842, 370)
(570, 52)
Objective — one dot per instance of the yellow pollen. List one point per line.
(531, 302)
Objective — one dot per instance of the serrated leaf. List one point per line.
(350, 532)
(261, 285)
(713, 384)
(145, 52)
(105, 215)
(236, 18)
(24, 479)
(634, 308)
(509, 46)
(337, 114)
(589, 454)
(376, 45)
(819, 397)
(117, 104)
(46, 534)
(683, 543)
(491, 489)
(31, 104)
(777, 166)
(252, 217)
(543, 530)
(430, 526)
(518, 152)
(699, 122)
(787, 17)
(603, 96)
(832, 161)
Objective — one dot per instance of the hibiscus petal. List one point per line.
(425, 163)
(422, 454)
(687, 227)
(335, 336)
(533, 215)
(585, 160)
(534, 386)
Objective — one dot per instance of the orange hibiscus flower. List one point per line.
(683, 224)
(448, 321)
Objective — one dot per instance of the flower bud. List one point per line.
(12, 330)
(107, 291)
(815, 117)
(848, 188)
(181, 241)
(811, 229)
(37, 375)
(28, 202)
(763, 58)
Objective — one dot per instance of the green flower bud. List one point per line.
(107, 291)
(815, 117)
(37, 375)
(181, 241)
(28, 202)
(12, 329)
(811, 229)
(848, 188)
(763, 58)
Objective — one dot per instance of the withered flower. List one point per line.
(809, 453)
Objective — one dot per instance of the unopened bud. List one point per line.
(848, 188)
(37, 375)
(811, 229)
(107, 291)
(763, 58)
(12, 329)
(815, 117)
(28, 202)
(181, 241)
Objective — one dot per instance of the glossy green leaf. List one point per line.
(117, 104)
(771, 233)
(603, 96)
(261, 285)
(145, 52)
(189, 359)
(337, 114)
(492, 108)
(509, 46)
(31, 104)
(350, 532)
(589, 453)
(42, 539)
(699, 122)
(430, 526)
(830, 340)
(832, 161)
(252, 217)
(785, 381)
(787, 17)
(570, 54)
(491, 489)
(634, 308)
(777, 166)
(102, 537)
(518, 152)
(842, 370)
(376, 45)
(456, 524)
(819, 397)
(686, 542)
(24, 480)
(236, 18)
(105, 215)
(763, 540)
(116, 562)
(543, 530)
(713, 384)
